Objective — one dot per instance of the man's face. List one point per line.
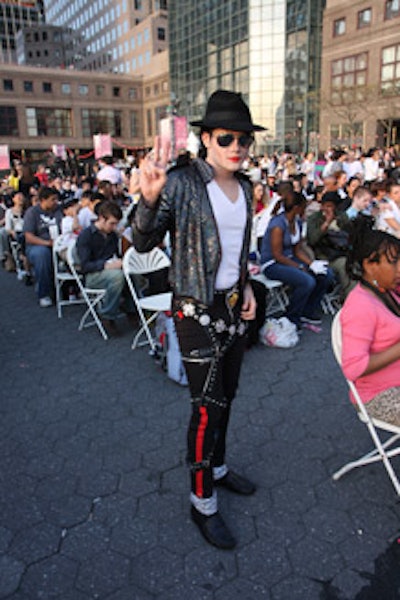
(49, 204)
(18, 199)
(330, 184)
(363, 202)
(224, 156)
(395, 194)
(107, 224)
(328, 210)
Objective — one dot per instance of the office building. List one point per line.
(42, 107)
(121, 36)
(360, 98)
(267, 49)
(15, 15)
(50, 46)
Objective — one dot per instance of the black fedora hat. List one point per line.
(227, 110)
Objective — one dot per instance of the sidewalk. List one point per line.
(94, 487)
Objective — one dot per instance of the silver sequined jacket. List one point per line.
(184, 209)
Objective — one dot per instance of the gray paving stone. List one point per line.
(140, 482)
(329, 524)
(280, 527)
(35, 543)
(265, 562)
(134, 537)
(157, 570)
(293, 497)
(103, 574)
(315, 558)
(185, 590)
(84, 541)
(5, 538)
(296, 588)
(68, 511)
(114, 509)
(210, 568)
(131, 593)
(98, 483)
(242, 588)
(49, 579)
(93, 457)
(11, 571)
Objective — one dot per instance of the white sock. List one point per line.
(205, 506)
(219, 472)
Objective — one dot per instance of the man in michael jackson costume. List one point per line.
(206, 206)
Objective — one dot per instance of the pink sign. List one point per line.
(174, 130)
(102, 145)
(59, 151)
(4, 157)
(181, 133)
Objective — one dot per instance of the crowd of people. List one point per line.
(302, 207)
(313, 223)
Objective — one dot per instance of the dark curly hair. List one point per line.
(369, 243)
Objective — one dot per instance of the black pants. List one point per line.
(212, 343)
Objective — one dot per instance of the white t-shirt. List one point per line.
(231, 222)
(86, 217)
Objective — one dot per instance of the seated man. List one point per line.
(41, 226)
(361, 202)
(98, 250)
(328, 237)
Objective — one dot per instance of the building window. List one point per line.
(8, 121)
(147, 91)
(339, 27)
(47, 89)
(132, 93)
(28, 86)
(8, 85)
(149, 122)
(52, 122)
(83, 90)
(134, 124)
(101, 121)
(390, 70)
(116, 92)
(364, 18)
(161, 33)
(392, 9)
(99, 90)
(350, 72)
(65, 88)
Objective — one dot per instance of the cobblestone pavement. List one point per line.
(94, 487)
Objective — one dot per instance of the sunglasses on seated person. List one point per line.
(224, 140)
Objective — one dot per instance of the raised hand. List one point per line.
(153, 175)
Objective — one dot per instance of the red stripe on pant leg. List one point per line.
(199, 449)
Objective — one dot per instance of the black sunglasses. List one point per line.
(224, 140)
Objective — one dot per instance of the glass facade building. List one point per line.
(120, 35)
(262, 48)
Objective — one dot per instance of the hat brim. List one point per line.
(228, 124)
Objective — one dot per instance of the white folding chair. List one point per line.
(91, 296)
(277, 299)
(331, 302)
(62, 275)
(381, 451)
(143, 263)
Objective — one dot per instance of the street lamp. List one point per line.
(299, 124)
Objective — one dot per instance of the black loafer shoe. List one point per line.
(214, 529)
(236, 483)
